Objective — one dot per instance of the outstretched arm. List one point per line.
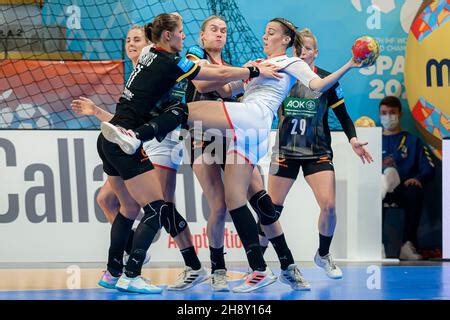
(228, 74)
(323, 84)
(305, 75)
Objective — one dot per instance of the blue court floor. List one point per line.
(360, 282)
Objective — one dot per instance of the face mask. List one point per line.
(389, 121)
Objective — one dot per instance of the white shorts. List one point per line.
(251, 125)
(167, 154)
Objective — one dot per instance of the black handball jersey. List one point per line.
(154, 78)
(303, 131)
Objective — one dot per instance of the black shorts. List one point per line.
(118, 163)
(289, 168)
(215, 147)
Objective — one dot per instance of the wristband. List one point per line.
(254, 72)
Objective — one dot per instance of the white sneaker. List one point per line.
(293, 277)
(219, 281)
(126, 256)
(327, 263)
(189, 278)
(409, 252)
(256, 280)
(126, 139)
(138, 285)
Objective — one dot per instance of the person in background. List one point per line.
(405, 153)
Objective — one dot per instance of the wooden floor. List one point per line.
(361, 281)
(45, 279)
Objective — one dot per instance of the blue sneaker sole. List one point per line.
(139, 291)
(106, 285)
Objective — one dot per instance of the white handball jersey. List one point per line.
(272, 92)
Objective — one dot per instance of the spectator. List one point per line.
(408, 156)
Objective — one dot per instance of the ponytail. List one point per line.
(148, 31)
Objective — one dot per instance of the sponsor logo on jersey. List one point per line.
(185, 64)
(197, 51)
(295, 107)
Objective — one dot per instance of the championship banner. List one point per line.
(37, 94)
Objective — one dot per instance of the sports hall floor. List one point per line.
(391, 280)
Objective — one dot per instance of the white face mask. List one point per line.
(389, 121)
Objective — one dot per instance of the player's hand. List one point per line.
(413, 182)
(84, 106)
(353, 64)
(269, 70)
(361, 151)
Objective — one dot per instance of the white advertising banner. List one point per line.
(50, 180)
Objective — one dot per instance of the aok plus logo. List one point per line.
(427, 72)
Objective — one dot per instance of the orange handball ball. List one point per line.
(365, 50)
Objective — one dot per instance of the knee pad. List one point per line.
(278, 209)
(178, 110)
(153, 213)
(173, 221)
(264, 208)
(172, 115)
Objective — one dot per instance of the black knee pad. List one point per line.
(172, 115)
(173, 221)
(178, 110)
(153, 213)
(278, 208)
(264, 208)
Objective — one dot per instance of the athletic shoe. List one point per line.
(409, 252)
(326, 263)
(219, 280)
(138, 285)
(189, 278)
(256, 280)
(293, 277)
(107, 280)
(246, 273)
(126, 256)
(126, 139)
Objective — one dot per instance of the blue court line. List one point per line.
(395, 283)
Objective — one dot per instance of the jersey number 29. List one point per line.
(298, 126)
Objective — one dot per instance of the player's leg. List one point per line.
(320, 177)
